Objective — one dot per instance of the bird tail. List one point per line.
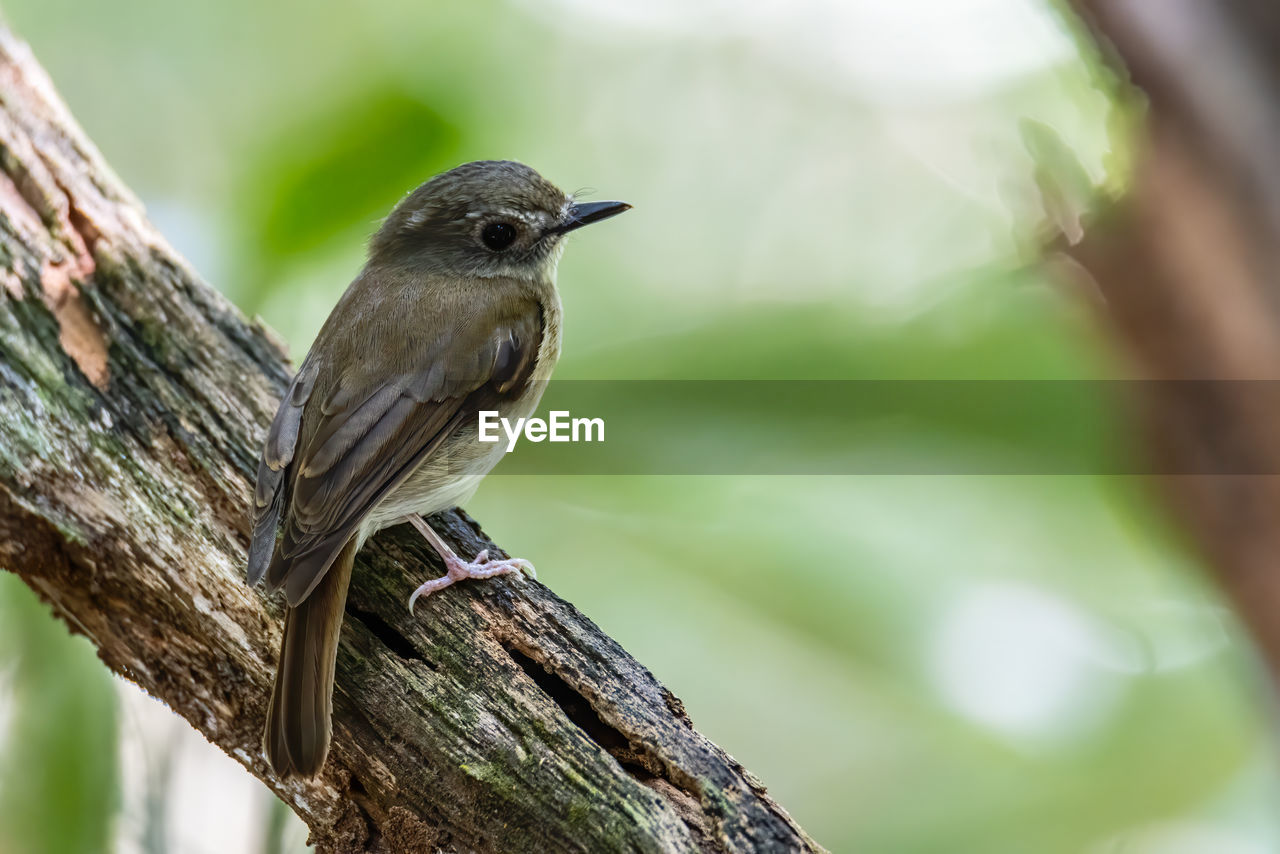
(296, 738)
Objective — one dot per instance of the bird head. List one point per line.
(487, 218)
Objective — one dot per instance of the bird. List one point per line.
(455, 312)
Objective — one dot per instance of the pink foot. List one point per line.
(458, 569)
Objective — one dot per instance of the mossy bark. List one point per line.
(133, 401)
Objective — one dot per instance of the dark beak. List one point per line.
(589, 212)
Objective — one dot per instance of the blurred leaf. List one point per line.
(1066, 190)
(342, 169)
(276, 828)
(59, 785)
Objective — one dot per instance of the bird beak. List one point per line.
(585, 214)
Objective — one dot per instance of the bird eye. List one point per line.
(498, 235)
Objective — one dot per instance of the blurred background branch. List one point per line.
(1188, 262)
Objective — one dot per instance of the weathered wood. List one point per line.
(133, 399)
(1189, 265)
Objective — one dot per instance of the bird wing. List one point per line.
(330, 458)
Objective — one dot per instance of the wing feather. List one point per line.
(330, 458)
(277, 453)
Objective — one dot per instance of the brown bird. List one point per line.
(455, 312)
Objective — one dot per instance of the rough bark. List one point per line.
(1189, 265)
(133, 400)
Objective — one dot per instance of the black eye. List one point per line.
(498, 235)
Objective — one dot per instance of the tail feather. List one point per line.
(298, 730)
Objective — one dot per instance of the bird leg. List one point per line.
(456, 568)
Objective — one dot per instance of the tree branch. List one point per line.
(133, 401)
(1189, 265)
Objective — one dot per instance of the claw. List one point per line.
(482, 567)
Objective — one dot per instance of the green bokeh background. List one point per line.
(984, 664)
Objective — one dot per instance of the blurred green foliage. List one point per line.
(986, 663)
(353, 158)
(59, 784)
